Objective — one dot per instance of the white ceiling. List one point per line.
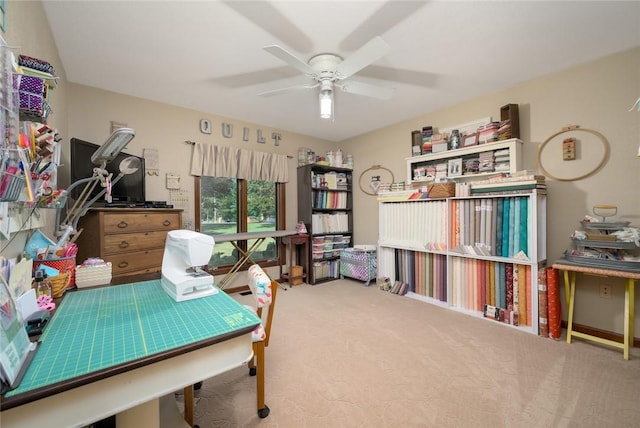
(208, 56)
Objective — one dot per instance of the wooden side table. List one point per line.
(629, 290)
(298, 246)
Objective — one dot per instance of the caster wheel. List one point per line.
(252, 371)
(263, 413)
(197, 386)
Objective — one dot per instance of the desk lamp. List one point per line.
(102, 156)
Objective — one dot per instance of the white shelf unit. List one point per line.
(514, 146)
(424, 242)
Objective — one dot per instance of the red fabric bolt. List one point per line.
(554, 306)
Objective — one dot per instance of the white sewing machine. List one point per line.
(184, 252)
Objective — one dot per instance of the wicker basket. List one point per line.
(441, 190)
(59, 284)
(65, 264)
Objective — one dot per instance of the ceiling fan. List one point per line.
(330, 71)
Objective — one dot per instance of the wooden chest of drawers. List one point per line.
(132, 239)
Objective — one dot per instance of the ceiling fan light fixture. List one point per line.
(326, 100)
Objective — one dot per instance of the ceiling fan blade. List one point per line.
(256, 77)
(286, 90)
(372, 51)
(266, 16)
(366, 89)
(386, 17)
(410, 77)
(291, 59)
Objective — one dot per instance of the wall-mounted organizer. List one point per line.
(29, 151)
(11, 179)
(477, 255)
(424, 168)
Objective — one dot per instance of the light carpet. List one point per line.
(345, 355)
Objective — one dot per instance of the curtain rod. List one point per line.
(192, 143)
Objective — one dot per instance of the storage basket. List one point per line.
(36, 64)
(92, 275)
(32, 98)
(441, 190)
(65, 264)
(358, 264)
(59, 284)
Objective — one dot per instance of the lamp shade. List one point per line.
(114, 145)
(326, 101)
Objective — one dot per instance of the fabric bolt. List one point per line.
(543, 310)
(554, 306)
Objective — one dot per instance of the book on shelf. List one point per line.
(331, 178)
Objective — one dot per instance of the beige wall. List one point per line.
(166, 128)
(595, 96)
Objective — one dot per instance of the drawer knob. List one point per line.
(123, 264)
(122, 224)
(123, 244)
(166, 223)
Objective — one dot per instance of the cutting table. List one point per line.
(117, 349)
(245, 256)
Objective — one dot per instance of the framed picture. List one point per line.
(455, 167)
(470, 140)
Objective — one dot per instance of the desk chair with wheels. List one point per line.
(264, 291)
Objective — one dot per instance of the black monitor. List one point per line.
(129, 189)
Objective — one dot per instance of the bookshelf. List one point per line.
(467, 252)
(325, 202)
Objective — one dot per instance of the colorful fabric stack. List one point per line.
(488, 133)
(501, 159)
(504, 130)
(487, 161)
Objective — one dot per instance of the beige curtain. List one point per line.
(222, 161)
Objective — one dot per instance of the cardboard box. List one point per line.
(296, 275)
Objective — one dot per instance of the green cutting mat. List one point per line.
(100, 328)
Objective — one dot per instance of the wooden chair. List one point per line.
(264, 291)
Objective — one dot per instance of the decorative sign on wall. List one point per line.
(151, 161)
(227, 130)
(205, 126)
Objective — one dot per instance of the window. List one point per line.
(229, 205)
